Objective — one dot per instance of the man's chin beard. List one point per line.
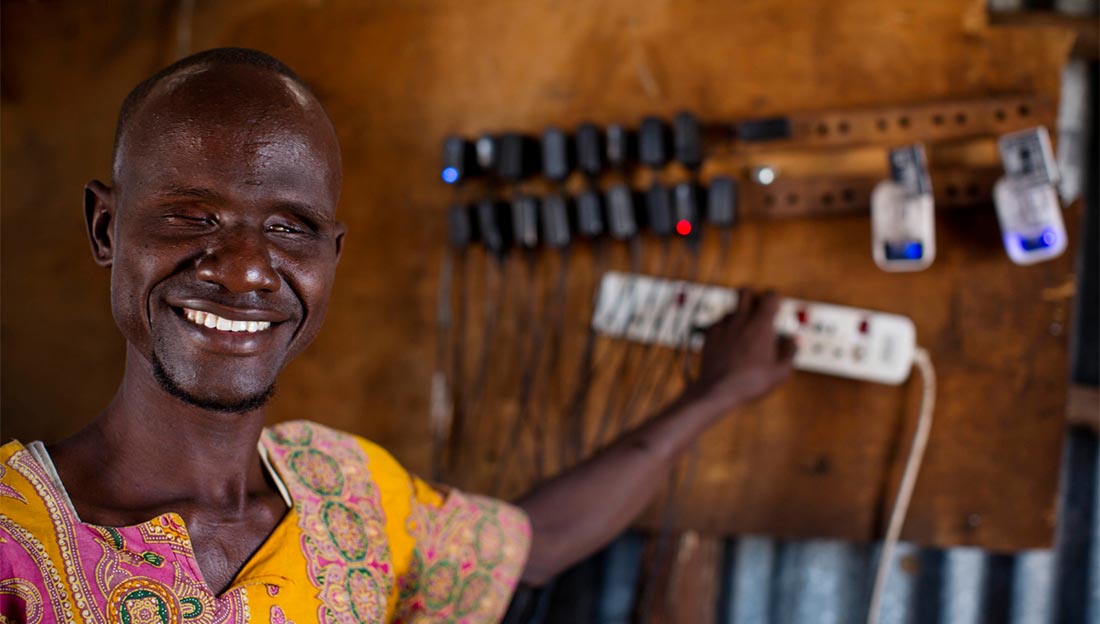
(241, 406)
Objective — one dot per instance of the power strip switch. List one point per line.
(833, 339)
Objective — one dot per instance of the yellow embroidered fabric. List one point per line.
(365, 541)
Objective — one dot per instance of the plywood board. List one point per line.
(819, 457)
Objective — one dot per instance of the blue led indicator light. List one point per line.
(1046, 239)
(908, 250)
(450, 175)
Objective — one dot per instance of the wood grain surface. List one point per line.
(821, 457)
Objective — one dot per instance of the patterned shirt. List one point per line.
(362, 541)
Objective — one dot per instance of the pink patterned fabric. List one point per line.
(332, 561)
(467, 560)
(142, 573)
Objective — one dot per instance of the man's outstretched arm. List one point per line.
(584, 508)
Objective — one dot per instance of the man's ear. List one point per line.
(99, 214)
(341, 229)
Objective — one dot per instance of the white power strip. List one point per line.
(834, 340)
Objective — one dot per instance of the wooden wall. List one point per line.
(817, 458)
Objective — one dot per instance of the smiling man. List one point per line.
(175, 504)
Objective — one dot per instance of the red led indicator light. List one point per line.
(683, 227)
(863, 326)
(801, 317)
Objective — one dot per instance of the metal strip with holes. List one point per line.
(792, 198)
(928, 122)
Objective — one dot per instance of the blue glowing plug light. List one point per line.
(905, 250)
(1046, 239)
(450, 175)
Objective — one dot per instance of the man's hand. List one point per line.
(743, 358)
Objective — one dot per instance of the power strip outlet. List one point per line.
(833, 340)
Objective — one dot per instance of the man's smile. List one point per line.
(228, 330)
(221, 323)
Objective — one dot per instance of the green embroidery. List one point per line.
(366, 595)
(115, 537)
(472, 592)
(439, 584)
(317, 471)
(152, 558)
(489, 541)
(346, 530)
(142, 595)
(196, 607)
(301, 436)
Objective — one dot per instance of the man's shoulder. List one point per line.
(15, 463)
(28, 497)
(9, 449)
(309, 434)
(307, 442)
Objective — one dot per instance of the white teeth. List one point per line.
(213, 321)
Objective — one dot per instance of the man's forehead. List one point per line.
(213, 83)
(232, 112)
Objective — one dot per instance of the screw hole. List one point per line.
(972, 190)
(827, 199)
(937, 119)
(1023, 110)
(842, 127)
(903, 121)
(769, 200)
(848, 195)
(822, 129)
(952, 191)
(999, 114)
(960, 118)
(881, 125)
(792, 198)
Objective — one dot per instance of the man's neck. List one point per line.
(198, 456)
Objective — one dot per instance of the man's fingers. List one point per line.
(746, 304)
(768, 304)
(786, 348)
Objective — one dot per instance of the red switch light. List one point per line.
(801, 317)
(683, 227)
(863, 326)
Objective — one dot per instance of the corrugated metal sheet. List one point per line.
(827, 582)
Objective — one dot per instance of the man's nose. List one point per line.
(240, 261)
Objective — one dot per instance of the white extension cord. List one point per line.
(923, 361)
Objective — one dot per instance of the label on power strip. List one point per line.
(833, 340)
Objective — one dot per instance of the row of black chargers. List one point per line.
(556, 219)
(556, 154)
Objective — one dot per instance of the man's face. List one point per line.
(225, 239)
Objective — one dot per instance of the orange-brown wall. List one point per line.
(396, 77)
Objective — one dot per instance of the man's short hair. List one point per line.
(216, 56)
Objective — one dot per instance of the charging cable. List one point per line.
(923, 361)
